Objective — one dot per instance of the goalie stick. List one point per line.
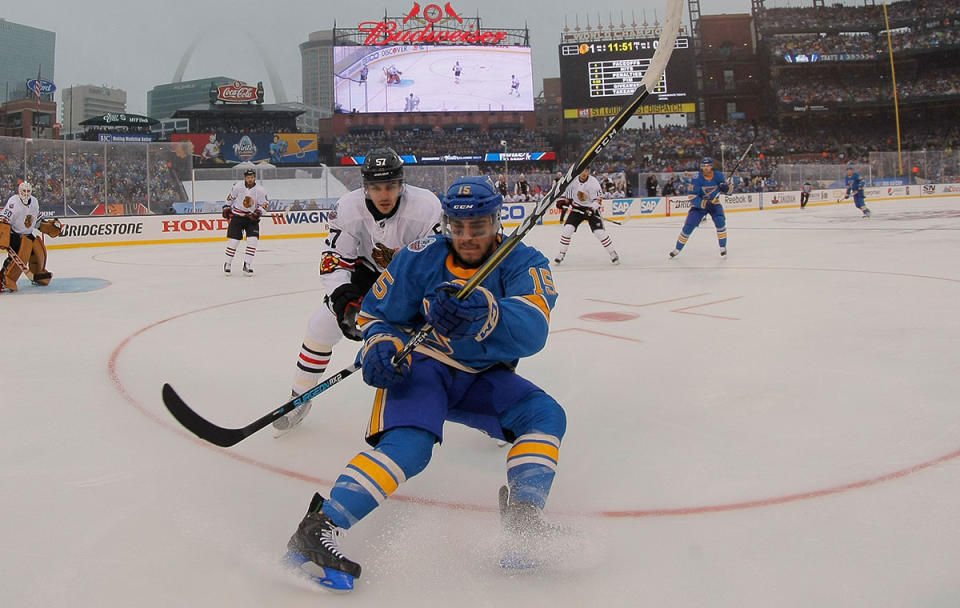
(23, 267)
(226, 437)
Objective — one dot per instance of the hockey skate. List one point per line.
(247, 269)
(226, 268)
(292, 420)
(866, 212)
(313, 550)
(529, 540)
(559, 258)
(723, 252)
(615, 258)
(674, 253)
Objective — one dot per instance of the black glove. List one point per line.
(345, 303)
(257, 214)
(723, 188)
(227, 214)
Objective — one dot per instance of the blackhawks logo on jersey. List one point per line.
(247, 202)
(329, 262)
(382, 255)
(581, 196)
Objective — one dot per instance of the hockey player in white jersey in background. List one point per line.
(585, 203)
(367, 226)
(245, 205)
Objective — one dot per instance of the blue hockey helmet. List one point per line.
(471, 197)
(707, 161)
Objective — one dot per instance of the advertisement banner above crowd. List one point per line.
(450, 28)
(225, 149)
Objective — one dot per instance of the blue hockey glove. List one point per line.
(377, 357)
(476, 315)
(723, 188)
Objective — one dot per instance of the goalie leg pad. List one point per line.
(38, 263)
(21, 246)
(4, 235)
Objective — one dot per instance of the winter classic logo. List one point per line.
(245, 149)
(421, 244)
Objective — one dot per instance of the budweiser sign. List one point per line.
(380, 33)
(237, 92)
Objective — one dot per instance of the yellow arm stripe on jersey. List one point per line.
(536, 301)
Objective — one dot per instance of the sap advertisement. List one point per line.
(429, 78)
(225, 149)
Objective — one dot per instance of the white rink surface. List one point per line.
(778, 428)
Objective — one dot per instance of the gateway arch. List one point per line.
(279, 94)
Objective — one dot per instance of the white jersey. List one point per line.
(22, 217)
(244, 200)
(358, 238)
(585, 195)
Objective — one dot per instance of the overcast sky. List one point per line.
(129, 46)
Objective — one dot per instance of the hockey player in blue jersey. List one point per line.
(855, 187)
(464, 372)
(706, 189)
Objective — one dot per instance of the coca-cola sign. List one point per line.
(237, 92)
(456, 30)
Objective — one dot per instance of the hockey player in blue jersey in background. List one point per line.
(855, 187)
(464, 372)
(706, 189)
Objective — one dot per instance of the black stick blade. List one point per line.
(197, 424)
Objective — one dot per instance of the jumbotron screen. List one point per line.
(432, 78)
(597, 77)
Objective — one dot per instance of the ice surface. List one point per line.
(777, 428)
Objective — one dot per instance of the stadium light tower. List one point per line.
(506, 164)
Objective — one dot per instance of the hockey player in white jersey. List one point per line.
(585, 203)
(19, 223)
(367, 226)
(245, 205)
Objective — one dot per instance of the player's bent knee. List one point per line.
(322, 327)
(409, 447)
(538, 412)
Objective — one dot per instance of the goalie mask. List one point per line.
(25, 190)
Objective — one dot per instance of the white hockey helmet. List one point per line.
(25, 189)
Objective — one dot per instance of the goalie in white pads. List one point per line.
(367, 226)
(19, 225)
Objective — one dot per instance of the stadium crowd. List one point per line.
(437, 142)
(79, 177)
(863, 18)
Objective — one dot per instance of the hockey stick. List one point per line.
(651, 77)
(226, 437)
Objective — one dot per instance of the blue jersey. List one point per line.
(705, 190)
(854, 185)
(522, 284)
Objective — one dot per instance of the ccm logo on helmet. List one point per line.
(463, 206)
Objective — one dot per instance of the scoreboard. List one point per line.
(597, 77)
